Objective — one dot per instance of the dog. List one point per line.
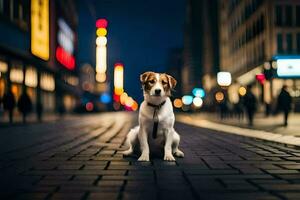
(156, 119)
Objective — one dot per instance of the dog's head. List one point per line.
(157, 85)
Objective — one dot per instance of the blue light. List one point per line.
(187, 100)
(105, 98)
(198, 92)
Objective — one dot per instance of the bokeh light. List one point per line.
(187, 100)
(101, 23)
(89, 106)
(219, 96)
(198, 92)
(242, 91)
(101, 32)
(198, 102)
(177, 103)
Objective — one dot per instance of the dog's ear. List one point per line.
(172, 81)
(144, 76)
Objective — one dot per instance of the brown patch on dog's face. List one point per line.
(168, 83)
(148, 80)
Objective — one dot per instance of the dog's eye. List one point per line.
(164, 82)
(152, 81)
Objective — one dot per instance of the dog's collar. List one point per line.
(156, 106)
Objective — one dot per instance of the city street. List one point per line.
(79, 157)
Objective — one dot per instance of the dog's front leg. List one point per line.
(168, 146)
(144, 145)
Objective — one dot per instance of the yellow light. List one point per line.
(242, 91)
(129, 102)
(16, 75)
(101, 77)
(101, 32)
(119, 91)
(47, 82)
(197, 101)
(31, 77)
(101, 41)
(101, 64)
(219, 96)
(118, 79)
(3, 66)
(123, 98)
(135, 106)
(40, 29)
(177, 103)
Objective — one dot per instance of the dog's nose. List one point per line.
(157, 91)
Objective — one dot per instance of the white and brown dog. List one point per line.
(156, 119)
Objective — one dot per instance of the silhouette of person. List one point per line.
(250, 104)
(39, 111)
(24, 105)
(284, 103)
(9, 104)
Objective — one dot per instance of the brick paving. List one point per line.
(83, 161)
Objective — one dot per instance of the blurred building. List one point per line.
(253, 35)
(38, 52)
(201, 51)
(174, 68)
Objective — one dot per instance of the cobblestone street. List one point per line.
(80, 158)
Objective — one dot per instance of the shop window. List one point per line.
(48, 101)
(288, 16)
(3, 66)
(16, 73)
(289, 42)
(279, 43)
(31, 77)
(278, 15)
(47, 82)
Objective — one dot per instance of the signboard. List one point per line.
(288, 68)
(40, 28)
(65, 48)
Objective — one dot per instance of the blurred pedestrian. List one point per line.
(284, 103)
(24, 105)
(250, 104)
(61, 110)
(9, 104)
(39, 111)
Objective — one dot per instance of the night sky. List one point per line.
(140, 34)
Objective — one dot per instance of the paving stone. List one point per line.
(77, 165)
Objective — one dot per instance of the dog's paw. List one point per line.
(179, 154)
(144, 157)
(169, 157)
(127, 152)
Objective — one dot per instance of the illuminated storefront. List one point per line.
(42, 63)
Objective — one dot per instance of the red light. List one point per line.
(119, 64)
(101, 23)
(116, 98)
(65, 58)
(261, 78)
(89, 106)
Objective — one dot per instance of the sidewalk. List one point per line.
(31, 119)
(261, 122)
(267, 129)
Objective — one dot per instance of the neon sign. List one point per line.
(65, 49)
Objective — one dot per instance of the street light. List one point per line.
(101, 50)
(118, 78)
(224, 78)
